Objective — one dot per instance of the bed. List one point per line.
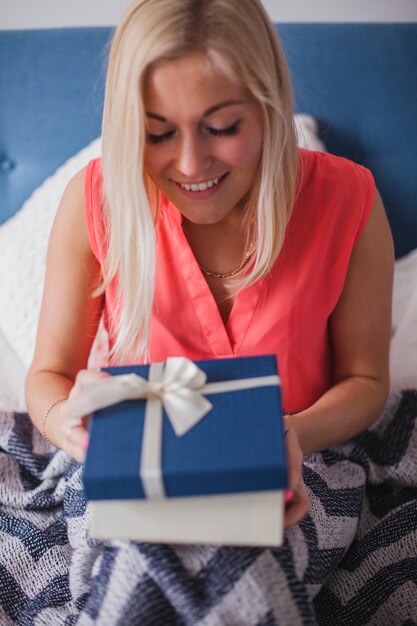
(354, 559)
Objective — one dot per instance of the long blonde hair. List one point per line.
(238, 38)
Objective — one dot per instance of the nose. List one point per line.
(193, 158)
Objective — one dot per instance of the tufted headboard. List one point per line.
(358, 80)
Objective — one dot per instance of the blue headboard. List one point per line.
(358, 80)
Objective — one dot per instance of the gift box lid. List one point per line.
(237, 447)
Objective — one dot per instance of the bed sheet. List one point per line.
(12, 376)
(352, 560)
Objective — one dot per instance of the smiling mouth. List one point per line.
(208, 184)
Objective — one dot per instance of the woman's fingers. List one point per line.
(74, 437)
(297, 507)
(295, 458)
(86, 377)
(70, 435)
(76, 442)
(83, 379)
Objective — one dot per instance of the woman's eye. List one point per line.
(158, 138)
(229, 131)
(216, 132)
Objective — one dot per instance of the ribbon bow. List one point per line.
(177, 386)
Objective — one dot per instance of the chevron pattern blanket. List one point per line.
(352, 561)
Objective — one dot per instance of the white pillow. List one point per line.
(12, 376)
(23, 247)
(307, 133)
(403, 356)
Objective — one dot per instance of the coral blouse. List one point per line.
(285, 312)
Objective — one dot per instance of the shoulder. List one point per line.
(94, 209)
(75, 197)
(80, 213)
(72, 202)
(334, 198)
(87, 177)
(93, 179)
(334, 183)
(69, 228)
(328, 172)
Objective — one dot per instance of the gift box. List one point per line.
(188, 452)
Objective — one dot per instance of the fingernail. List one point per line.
(289, 494)
(85, 443)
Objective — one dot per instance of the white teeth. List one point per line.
(200, 186)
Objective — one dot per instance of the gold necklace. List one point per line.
(245, 261)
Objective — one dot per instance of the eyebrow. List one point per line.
(206, 113)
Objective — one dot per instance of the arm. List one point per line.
(360, 330)
(68, 320)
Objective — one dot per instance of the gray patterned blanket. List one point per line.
(352, 561)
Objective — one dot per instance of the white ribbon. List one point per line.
(178, 388)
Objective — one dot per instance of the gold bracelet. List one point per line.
(45, 417)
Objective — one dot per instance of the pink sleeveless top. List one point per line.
(284, 313)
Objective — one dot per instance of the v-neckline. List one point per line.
(224, 339)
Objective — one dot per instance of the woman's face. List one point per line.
(204, 138)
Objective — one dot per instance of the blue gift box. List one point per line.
(237, 447)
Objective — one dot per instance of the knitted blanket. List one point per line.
(352, 561)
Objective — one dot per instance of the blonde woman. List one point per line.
(204, 232)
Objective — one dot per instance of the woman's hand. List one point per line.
(67, 435)
(298, 504)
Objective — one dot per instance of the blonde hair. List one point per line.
(237, 37)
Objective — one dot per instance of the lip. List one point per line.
(202, 195)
